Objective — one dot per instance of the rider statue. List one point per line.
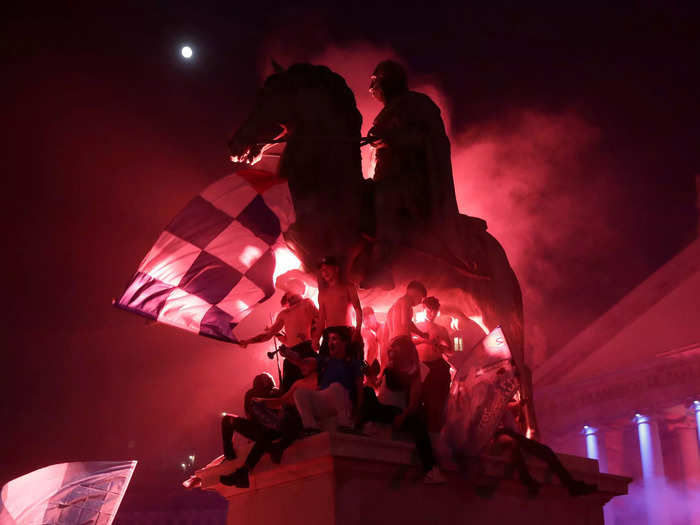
(414, 192)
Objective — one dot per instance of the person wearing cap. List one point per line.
(337, 299)
(436, 387)
(293, 326)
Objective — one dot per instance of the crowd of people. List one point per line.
(361, 374)
(340, 363)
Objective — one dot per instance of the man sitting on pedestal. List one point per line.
(261, 426)
(509, 441)
(272, 422)
(339, 385)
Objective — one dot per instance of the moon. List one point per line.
(186, 51)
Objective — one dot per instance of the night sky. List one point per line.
(575, 134)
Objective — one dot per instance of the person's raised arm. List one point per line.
(321, 325)
(266, 335)
(315, 319)
(372, 348)
(355, 302)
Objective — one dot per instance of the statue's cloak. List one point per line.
(417, 148)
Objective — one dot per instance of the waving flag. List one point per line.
(67, 494)
(483, 385)
(217, 258)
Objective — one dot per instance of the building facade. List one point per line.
(626, 391)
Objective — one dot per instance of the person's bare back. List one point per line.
(398, 319)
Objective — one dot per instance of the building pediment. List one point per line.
(666, 380)
(660, 314)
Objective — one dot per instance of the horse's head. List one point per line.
(303, 99)
(268, 120)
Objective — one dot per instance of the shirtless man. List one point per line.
(436, 386)
(298, 320)
(336, 300)
(399, 319)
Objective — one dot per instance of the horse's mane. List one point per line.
(309, 76)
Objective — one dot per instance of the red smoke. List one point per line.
(535, 177)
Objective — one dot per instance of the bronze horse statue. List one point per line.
(313, 110)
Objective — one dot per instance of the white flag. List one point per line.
(78, 493)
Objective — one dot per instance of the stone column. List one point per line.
(652, 469)
(611, 442)
(685, 434)
(595, 449)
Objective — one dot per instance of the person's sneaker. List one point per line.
(434, 477)
(239, 479)
(275, 451)
(581, 488)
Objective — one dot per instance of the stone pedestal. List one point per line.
(342, 479)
